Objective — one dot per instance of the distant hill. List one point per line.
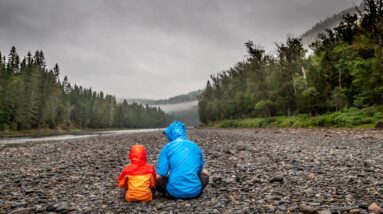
(181, 107)
(186, 112)
(329, 23)
(191, 96)
(137, 100)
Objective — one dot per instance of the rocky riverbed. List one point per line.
(252, 171)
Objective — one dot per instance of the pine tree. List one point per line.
(13, 61)
(32, 96)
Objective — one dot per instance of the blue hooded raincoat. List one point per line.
(181, 160)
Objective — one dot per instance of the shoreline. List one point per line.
(35, 133)
(17, 141)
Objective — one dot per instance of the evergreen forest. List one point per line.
(33, 97)
(343, 71)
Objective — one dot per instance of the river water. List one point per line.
(19, 140)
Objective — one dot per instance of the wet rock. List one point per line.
(281, 207)
(29, 191)
(216, 179)
(260, 201)
(311, 176)
(277, 178)
(308, 191)
(272, 198)
(345, 209)
(355, 211)
(18, 204)
(307, 209)
(22, 211)
(375, 208)
(218, 205)
(363, 206)
(314, 203)
(368, 163)
(60, 209)
(50, 208)
(325, 212)
(269, 207)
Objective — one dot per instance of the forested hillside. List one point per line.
(32, 96)
(191, 96)
(330, 22)
(344, 71)
(182, 107)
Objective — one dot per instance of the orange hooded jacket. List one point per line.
(138, 177)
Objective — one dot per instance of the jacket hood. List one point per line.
(137, 154)
(176, 130)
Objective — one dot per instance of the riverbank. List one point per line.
(347, 118)
(33, 133)
(252, 170)
(15, 141)
(47, 132)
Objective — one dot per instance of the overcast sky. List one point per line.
(152, 49)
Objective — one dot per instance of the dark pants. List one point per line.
(163, 181)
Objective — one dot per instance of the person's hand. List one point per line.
(204, 171)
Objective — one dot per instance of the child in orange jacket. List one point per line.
(138, 177)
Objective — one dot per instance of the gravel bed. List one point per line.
(251, 171)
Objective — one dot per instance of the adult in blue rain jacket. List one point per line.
(180, 166)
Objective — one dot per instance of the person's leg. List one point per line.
(204, 178)
(161, 187)
(123, 192)
(161, 184)
(153, 191)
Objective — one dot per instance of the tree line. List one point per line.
(344, 70)
(32, 96)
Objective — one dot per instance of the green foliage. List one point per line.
(265, 107)
(32, 96)
(351, 117)
(344, 71)
(339, 98)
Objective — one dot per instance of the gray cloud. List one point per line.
(152, 49)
